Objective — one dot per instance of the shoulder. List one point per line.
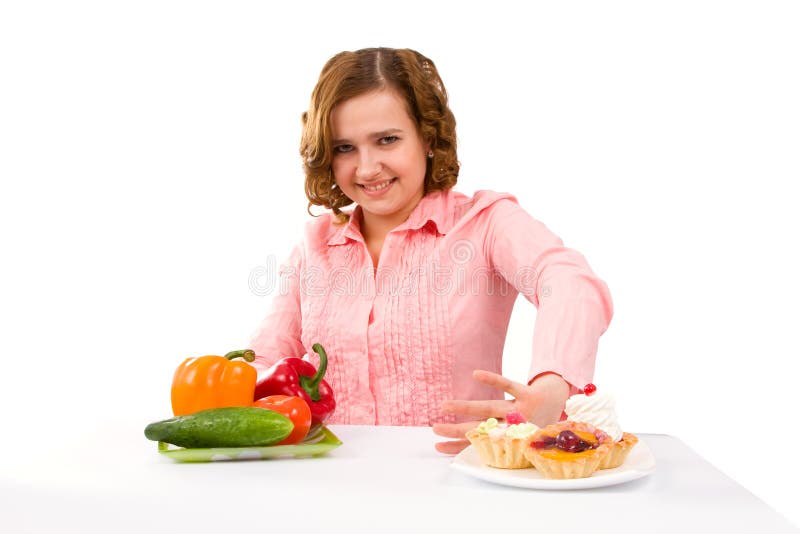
(485, 205)
(321, 228)
(323, 231)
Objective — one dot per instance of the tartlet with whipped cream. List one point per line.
(599, 410)
(503, 444)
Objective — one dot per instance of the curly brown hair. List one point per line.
(348, 74)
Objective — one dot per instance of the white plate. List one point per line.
(640, 462)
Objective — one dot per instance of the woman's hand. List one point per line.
(541, 403)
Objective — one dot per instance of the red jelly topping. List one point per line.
(567, 441)
(547, 442)
(515, 418)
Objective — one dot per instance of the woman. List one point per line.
(411, 292)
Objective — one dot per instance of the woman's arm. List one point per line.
(574, 306)
(279, 334)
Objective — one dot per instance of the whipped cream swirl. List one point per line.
(598, 410)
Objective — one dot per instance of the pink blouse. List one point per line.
(406, 336)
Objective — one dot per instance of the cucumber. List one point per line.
(222, 427)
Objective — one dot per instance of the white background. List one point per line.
(148, 155)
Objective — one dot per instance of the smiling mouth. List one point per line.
(378, 187)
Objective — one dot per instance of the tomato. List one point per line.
(295, 409)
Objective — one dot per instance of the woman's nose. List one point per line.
(368, 165)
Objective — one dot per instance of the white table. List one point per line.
(383, 479)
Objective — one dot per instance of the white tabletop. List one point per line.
(382, 479)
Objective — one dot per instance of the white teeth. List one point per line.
(384, 185)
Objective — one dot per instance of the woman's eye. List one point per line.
(341, 149)
(389, 139)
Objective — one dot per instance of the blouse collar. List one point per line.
(436, 207)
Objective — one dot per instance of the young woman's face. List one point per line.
(379, 159)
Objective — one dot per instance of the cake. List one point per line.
(503, 444)
(599, 410)
(568, 450)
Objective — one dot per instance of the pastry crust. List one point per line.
(553, 463)
(503, 453)
(619, 451)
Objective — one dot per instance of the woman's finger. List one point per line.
(482, 409)
(452, 447)
(454, 430)
(515, 389)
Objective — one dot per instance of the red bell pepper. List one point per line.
(298, 378)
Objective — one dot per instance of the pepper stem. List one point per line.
(247, 354)
(311, 383)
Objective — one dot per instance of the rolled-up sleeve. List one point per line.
(574, 307)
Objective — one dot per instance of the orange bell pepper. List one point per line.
(213, 382)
